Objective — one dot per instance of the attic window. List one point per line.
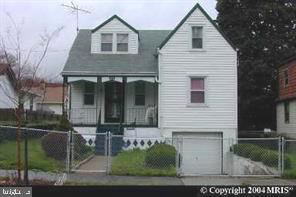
(122, 42)
(106, 42)
(197, 35)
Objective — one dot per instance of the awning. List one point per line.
(148, 79)
(91, 79)
(118, 79)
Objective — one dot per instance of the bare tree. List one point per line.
(25, 64)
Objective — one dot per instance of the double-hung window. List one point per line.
(197, 90)
(197, 37)
(287, 112)
(106, 42)
(89, 93)
(122, 42)
(286, 78)
(140, 93)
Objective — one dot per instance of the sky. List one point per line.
(38, 17)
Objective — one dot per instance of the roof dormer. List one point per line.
(114, 36)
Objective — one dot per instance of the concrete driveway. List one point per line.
(226, 180)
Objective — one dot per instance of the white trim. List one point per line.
(90, 79)
(118, 79)
(147, 79)
(188, 99)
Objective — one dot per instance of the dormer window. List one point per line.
(197, 37)
(122, 42)
(106, 42)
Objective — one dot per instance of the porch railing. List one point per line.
(134, 116)
(83, 116)
(141, 116)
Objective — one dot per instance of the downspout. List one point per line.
(158, 80)
(237, 63)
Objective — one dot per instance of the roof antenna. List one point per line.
(75, 10)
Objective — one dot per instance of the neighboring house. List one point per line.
(45, 97)
(286, 102)
(8, 95)
(157, 83)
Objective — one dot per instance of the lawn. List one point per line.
(291, 173)
(132, 162)
(37, 158)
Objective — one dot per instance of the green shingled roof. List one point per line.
(82, 62)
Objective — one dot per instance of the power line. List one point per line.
(75, 9)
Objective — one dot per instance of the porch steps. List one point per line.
(116, 142)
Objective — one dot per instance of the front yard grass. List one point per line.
(291, 173)
(37, 158)
(132, 162)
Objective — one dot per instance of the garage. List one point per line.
(200, 153)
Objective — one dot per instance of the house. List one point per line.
(157, 84)
(8, 95)
(46, 97)
(286, 102)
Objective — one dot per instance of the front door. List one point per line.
(113, 98)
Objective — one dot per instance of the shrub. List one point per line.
(256, 155)
(64, 125)
(160, 156)
(287, 162)
(270, 158)
(55, 145)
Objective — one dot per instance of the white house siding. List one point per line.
(282, 126)
(8, 97)
(217, 62)
(114, 26)
(80, 113)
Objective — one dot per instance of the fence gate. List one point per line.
(88, 152)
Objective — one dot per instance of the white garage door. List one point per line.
(201, 153)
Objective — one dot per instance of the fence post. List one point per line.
(279, 155)
(106, 151)
(68, 168)
(109, 151)
(283, 155)
(26, 179)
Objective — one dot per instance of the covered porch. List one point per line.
(130, 101)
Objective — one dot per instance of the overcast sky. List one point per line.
(35, 17)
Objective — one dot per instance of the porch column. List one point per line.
(123, 99)
(155, 100)
(98, 116)
(64, 105)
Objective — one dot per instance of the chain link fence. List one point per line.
(51, 153)
(256, 156)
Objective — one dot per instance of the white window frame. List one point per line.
(128, 42)
(189, 104)
(101, 42)
(204, 37)
(83, 101)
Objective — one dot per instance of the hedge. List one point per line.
(161, 156)
(257, 153)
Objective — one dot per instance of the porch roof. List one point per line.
(82, 62)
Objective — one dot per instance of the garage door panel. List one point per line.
(201, 153)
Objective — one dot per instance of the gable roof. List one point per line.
(110, 19)
(287, 61)
(82, 62)
(197, 6)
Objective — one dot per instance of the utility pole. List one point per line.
(75, 9)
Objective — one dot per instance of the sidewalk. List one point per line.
(103, 179)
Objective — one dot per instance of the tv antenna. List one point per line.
(75, 10)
